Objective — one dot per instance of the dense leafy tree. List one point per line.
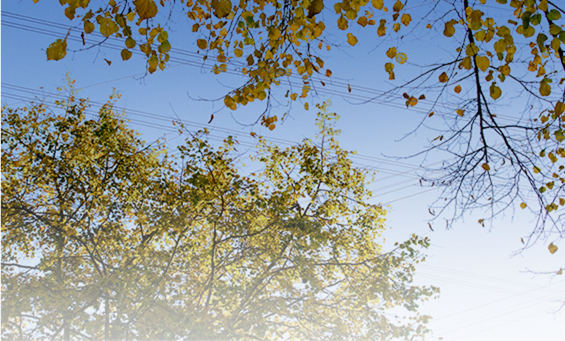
(500, 160)
(106, 237)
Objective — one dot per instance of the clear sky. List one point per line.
(486, 292)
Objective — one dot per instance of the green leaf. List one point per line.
(553, 15)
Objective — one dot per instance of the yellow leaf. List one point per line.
(88, 27)
(457, 89)
(471, 49)
(401, 58)
(316, 7)
(523, 205)
(536, 169)
(130, 43)
(443, 78)
(254, 134)
(230, 103)
(203, 44)
(460, 112)
(559, 108)
(222, 8)
(486, 167)
(57, 50)
(107, 26)
(238, 52)
(342, 23)
(381, 30)
(362, 21)
(70, 12)
(544, 88)
(126, 54)
(495, 91)
(560, 272)
(396, 27)
(328, 73)
(146, 9)
(405, 19)
(449, 30)
(397, 6)
(466, 63)
(391, 53)
(552, 248)
(153, 62)
(489, 77)
(428, 26)
(505, 70)
(351, 39)
(482, 63)
(378, 4)
(306, 106)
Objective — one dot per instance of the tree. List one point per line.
(106, 237)
(499, 160)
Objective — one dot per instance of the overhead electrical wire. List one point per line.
(502, 324)
(498, 315)
(132, 113)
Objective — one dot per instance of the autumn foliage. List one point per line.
(107, 237)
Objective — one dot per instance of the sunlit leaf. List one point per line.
(405, 19)
(449, 29)
(351, 39)
(222, 8)
(146, 9)
(126, 54)
(57, 50)
(482, 63)
(443, 78)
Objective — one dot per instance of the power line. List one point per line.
(197, 124)
(498, 325)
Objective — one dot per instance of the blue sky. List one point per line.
(486, 292)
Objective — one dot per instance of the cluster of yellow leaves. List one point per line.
(275, 39)
(493, 42)
(158, 241)
(261, 32)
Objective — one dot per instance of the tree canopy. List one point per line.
(107, 237)
(501, 160)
